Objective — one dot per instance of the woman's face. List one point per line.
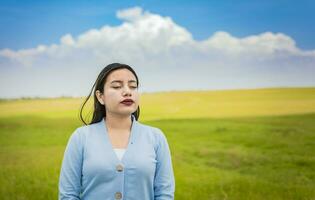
(120, 85)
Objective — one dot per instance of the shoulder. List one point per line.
(80, 133)
(154, 133)
(84, 130)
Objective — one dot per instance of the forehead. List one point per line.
(121, 74)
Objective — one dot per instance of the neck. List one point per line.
(118, 122)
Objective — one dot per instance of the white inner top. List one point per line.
(119, 152)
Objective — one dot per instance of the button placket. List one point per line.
(121, 177)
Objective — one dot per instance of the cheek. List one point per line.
(136, 96)
(111, 96)
(137, 99)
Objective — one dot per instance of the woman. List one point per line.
(115, 156)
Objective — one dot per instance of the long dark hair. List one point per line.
(99, 110)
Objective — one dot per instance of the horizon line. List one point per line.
(166, 91)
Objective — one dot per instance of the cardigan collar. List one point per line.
(133, 132)
(133, 122)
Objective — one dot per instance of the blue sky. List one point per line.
(57, 48)
(25, 24)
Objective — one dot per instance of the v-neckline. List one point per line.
(130, 140)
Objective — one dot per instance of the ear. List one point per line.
(99, 97)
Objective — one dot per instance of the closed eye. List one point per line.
(117, 87)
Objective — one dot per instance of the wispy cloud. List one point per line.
(163, 53)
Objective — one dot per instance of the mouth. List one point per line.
(127, 102)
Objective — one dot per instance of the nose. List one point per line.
(126, 91)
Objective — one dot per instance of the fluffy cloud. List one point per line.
(163, 53)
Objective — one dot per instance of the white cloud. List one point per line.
(163, 53)
(130, 14)
(67, 40)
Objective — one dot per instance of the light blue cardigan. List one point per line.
(91, 169)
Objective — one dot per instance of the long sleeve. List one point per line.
(71, 169)
(164, 181)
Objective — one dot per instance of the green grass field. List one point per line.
(238, 144)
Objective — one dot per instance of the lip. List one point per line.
(127, 101)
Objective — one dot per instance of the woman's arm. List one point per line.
(71, 169)
(164, 181)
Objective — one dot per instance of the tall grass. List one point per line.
(263, 148)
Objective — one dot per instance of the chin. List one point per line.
(127, 112)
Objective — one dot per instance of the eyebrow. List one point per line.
(119, 81)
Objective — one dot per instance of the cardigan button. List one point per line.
(119, 168)
(118, 195)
